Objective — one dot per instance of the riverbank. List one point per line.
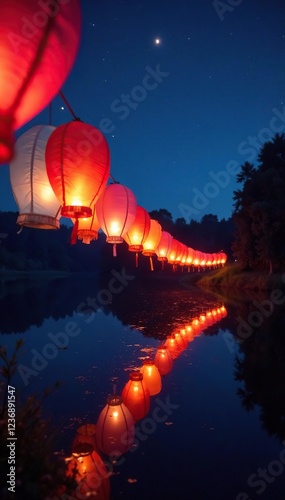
(232, 277)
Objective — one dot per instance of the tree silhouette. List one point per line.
(259, 209)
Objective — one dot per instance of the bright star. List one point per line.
(157, 41)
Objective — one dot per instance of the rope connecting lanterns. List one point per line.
(63, 171)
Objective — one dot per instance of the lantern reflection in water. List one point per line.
(115, 428)
(136, 396)
(163, 360)
(151, 377)
(91, 476)
(85, 440)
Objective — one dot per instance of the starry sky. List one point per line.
(185, 92)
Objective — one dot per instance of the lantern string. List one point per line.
(114, 250)
(162, 264)
(74, 232)
(137, 259)
(114, 180)
(151, 264)
(20, 230)
(68, 105)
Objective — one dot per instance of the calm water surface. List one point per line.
(224, 398)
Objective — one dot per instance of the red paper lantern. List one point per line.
(88, 228)
(184, 255)
(38, 45)
(85, 440)
(151, 377)
(136, 396)
(138, 232)
(190, 256)
(173, 250)
(172, 347)
(115, 428)
(78, 167)
(163, 360)
(163, 246)
(116, 211)
(196, 258)
(91, 476)
(179, 253)
(152, 241)
(223, 258)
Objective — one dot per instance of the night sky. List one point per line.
(177, 112)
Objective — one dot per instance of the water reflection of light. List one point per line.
(115, 428)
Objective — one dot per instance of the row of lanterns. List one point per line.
(114, 433)
(63, 171)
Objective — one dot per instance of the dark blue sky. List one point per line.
(217, 95)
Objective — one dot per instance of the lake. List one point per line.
(216, 429)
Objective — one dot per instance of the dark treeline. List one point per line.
(43, 250)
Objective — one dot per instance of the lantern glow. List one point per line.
(116, 211)
(115, 428)
(30, 74)
(151, 377)
(136, 396)
(37, 203)
(77, 175)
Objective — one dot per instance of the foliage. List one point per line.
(40, 474)
(39, 250)
(259, 209)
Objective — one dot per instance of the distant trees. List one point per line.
(259, 209)
(39, 250)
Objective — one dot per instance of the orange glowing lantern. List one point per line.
(179, 341)
(196, 258)
(223, 258)
(224, 311)
(38, 45)
(203, 259)
(91, 475)
(37, 203)
(138, 232)
(115, 428)
(173, 250)
(179, 253)
(116, 211)
(184, 336)
(151, 377)
(163, 360)
(190, 256)
(163, 247)
(88, 228)
(78, 166)
(215, 259)
(209, 259)
(172, 346)
(190, 332)
(85, 440)
(136, 396)
(152, 241)
(184, 255)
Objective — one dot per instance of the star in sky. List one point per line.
(157, 41)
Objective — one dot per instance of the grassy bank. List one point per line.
(232, 277)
